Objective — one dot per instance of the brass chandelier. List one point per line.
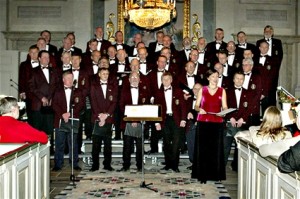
(150, 14)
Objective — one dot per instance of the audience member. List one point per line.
(14, 131)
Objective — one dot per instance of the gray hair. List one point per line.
(248, 61)
(6, 104)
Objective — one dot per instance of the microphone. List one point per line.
(14, 82)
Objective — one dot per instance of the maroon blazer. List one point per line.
(39, 87)
(25, 72)
(152, 76)
(181, 80)
(83, 81)
(255, 90)
(126, 99)
(244, 110)
(178, 105)
(59, 104)
(105, 44)
(99, 103)
(270, 70)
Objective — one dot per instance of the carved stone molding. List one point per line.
(21, 41)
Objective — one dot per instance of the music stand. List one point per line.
(137, 113)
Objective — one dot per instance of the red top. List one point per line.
(211, 103)
(14, 131)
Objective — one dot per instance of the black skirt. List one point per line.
(208, 163)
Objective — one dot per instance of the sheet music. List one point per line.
(224, 112)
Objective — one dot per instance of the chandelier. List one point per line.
(150, 14)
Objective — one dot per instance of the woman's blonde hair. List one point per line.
(272, 124)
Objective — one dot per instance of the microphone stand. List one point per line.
(72, 176)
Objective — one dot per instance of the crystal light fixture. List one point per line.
(150, 14)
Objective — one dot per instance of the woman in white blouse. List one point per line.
(269, 131)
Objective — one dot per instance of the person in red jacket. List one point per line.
(14, 131)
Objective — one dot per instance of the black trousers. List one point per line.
(127, 149)
(44, 122)
(154, 139)
(172, 137)
(104, 135)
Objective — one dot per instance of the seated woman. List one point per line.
(14, 131)
(287, 150)
(269, 131)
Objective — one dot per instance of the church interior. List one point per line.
(186, 23)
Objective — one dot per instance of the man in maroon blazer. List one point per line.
(91, 46)
(146, 65)
(154, 78)
(243, 45)
(81, 81)
(42, 85)
(188, 79)
(174, 120)
(200, 69)
(157, 45)
(275, 45)
(237, 97)
(224, 81)
(132, 50)
(232, 59)
(215, 46)
(172, 62)
(119, 37)
(68, 103)
(133, 94)
(46, 34)
(184, 54)
(253, 84)
(269, 69)
(103, 101)
(25, 72)
(102, 44)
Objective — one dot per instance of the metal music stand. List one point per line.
(142, 118)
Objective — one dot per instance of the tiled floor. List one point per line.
(61, 179)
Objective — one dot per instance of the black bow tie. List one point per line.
(187, 49)
(119, 44)
(190, 75)
(224, 65)
(103, 83)
(34, 62)
(99, 40)
(247, 74)
(121, 64)
(160, 71)
(160, 44)
(44, 67)
(263, 55)
(220, 76)
(170, 88)
(218, 42)
(143, 62)
(239, 89)
(111, 59)
(75, 70)
(67, 51)
(66, 66)
(66, 88)
(267, 40)
(231, 54)
(134, 87)
(244, 44)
